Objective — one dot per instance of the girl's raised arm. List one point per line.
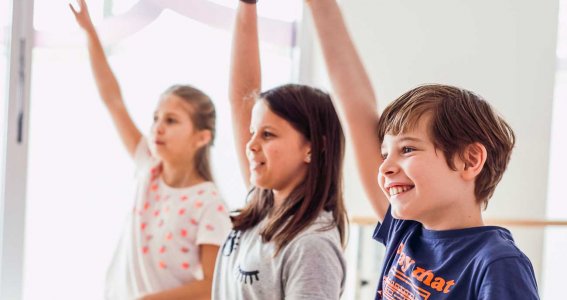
(106, 82)
(244, 78)
(354, 96)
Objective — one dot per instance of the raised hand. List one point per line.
(82, 15)
(106, 82)
(354, 96)
(245, 78)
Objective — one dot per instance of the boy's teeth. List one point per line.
(398, 189)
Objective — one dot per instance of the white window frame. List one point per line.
(14, 162)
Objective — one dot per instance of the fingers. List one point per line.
(82, 5)
(73, 9)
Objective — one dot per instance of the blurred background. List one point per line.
(66, 183)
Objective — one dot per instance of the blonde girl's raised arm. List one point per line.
(354, 96)
(106, 82)
(244, 78)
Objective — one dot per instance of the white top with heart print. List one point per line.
(159, 247)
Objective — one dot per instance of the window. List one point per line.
(80, 185)
(555, 237)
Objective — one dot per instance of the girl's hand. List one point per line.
(82, 15)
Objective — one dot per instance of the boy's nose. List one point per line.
(388, 167)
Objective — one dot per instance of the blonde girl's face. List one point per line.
(173, 135)
(277, 153)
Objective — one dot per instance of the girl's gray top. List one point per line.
(311, 266)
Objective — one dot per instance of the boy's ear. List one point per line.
(474, 158)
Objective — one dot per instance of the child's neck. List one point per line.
(279, 198)
(180, 175)
(458, 217)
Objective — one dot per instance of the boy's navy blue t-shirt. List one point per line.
(473, 263)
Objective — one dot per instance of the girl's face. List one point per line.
(173, 135)
(278, 155)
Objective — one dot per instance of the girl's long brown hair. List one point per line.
(204, 117)
(311, 112)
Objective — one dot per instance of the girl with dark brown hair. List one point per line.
(288, 240)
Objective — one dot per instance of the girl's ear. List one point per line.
(203, 137)
(307, 158)
(474, 158)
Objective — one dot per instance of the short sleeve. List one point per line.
(214, 224)
(314, 268)
(382, 232)
(143, 159)
(510, 278)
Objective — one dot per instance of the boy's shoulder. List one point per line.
(487, 243)
(493, 243)
(482, 246)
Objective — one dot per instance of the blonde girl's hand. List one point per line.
(82, 15)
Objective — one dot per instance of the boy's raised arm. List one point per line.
(354, 96)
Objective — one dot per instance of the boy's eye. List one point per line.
(407, 149)
(155, 119)
(267, 134)
(384, 155)
(171, 120)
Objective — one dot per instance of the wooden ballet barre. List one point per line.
(360, 220)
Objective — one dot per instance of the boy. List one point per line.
(444, 151)
(439, 155)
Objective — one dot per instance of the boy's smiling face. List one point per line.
(418, 182)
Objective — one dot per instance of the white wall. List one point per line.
(504, 50)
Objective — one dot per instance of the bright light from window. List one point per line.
(80, 184)
(122, 6)
(562, 32)
(279, 10)
(556, 238)
(55, 15)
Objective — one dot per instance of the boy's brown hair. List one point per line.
(459, 118)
